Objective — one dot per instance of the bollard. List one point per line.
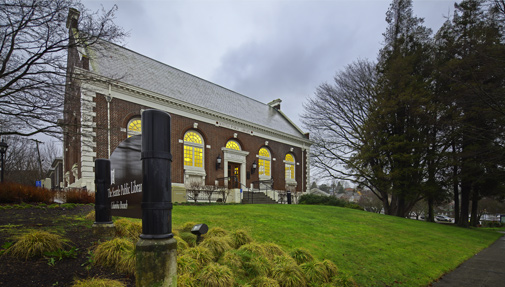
(157, 249)
(103, 225)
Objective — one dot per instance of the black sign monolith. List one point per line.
(156, 176)
(102, 184)
(125, 192)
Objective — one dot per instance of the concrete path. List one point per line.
(486, 269)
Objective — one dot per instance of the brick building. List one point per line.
(108, 88)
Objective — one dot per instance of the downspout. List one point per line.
(108, 98)
(303, 168)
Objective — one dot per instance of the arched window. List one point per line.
(134, 127)
(193, 150)
(289, 164)
(264, 163)
(231, 144)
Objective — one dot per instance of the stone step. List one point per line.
(256, 198)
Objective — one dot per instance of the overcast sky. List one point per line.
(264, 49)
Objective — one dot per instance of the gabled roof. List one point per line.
(113, 61)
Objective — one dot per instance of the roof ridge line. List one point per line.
(187, 73)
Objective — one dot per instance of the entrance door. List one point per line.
(233, 175)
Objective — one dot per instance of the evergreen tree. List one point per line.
(471, 71)
(398, 126)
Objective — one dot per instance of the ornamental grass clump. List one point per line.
(239, 238)
(301, 255)
(188, 237)
(97, 282)
(118, 253)
(181, 244)
(263, 281)
(186, 265)
(254, 248)
(216, 275)
(90, 216)
(127, 228)
(35, 244)
(201, 254)
(186, 280)
(186, 227)
(315, 273)
(272, 250)
(217, 245)
(287, 272)
(232, 259)
(216, 232)
(330, 267)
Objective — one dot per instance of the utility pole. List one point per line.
(40, 160)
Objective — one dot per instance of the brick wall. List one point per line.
(121, 112)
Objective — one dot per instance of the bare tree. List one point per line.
(33, 44)
(22, 160)
(335, 117)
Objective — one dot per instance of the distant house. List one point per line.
(55, 173)
(217, 134)
(319, 192)
(350, 195)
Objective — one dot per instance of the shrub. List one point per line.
(217, 245)
(97, 282)
(79, 196)
(287, 273)
(201, 254)
(215, 275)
(128, 228)
(186, 265)
(17, 193)
(263, 281)
(239, 238)
(118, 253)
(301, 255)
(321, 200)
(35, 244)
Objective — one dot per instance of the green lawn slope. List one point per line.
(376, 250)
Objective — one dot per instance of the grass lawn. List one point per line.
(376, 250)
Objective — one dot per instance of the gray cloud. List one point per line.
(264, 49)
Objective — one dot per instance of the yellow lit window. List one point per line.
(134, 127)
(233, 145)
(193, 150)
(264, 163)
(264, 167)
(289, 164)
(193, 138)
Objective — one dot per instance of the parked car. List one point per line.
(443, 218)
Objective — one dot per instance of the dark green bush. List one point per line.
(321, 200)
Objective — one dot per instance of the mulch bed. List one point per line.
(67, 222)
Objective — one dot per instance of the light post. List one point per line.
(3, 149)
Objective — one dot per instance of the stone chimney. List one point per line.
(73, 17)
(276, 104)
